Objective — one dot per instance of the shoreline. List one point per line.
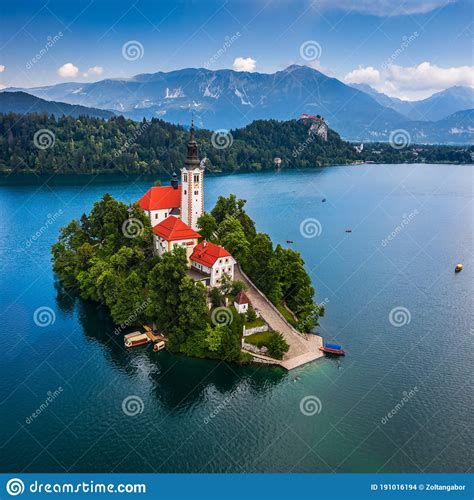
(70, 178)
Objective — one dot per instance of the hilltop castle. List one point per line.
(174, 212)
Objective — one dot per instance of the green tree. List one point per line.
(207, 226)
(232, 238)
(262, 267)
(277, 346)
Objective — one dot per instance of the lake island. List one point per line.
(209, 284)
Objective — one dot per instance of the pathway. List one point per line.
(303, 349)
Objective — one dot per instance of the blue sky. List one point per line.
(408, 49)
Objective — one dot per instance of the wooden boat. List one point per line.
(348, 230)
(159, 346)
(289, 241)
(458, 268)
(135, 339)
(333, 349)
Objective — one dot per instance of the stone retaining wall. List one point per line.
(256, 329)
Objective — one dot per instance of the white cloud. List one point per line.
(368, 75)
(383, 8)
(94, 71)
(427, 75)
(412, 82)
(2, 68)
(244, 64)
(68, 70)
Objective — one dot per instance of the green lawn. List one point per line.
(286, 314)
(254, 324)
(259, 339)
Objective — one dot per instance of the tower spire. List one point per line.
(192, 158)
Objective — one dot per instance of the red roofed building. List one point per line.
(185, 201)
(213, 261)
(161, 202)
(171, 233)
(174, 211)
(241, 302)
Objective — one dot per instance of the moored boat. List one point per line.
(333, 349)
(135, 339)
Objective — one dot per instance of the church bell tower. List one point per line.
(192, 185)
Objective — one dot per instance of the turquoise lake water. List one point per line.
(400, 401)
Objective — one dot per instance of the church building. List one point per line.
(174, 211)
(185, 201)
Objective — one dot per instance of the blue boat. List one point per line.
(333, 349)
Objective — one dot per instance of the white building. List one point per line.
(192, 185)
(212, 262)
(174, 211)
(172, 233)
(161, 202)
(241, 302)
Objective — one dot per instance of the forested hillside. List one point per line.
(40, 143)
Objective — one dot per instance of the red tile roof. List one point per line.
(173, 229)
(207, 253)
(241, 298)
(161, 197)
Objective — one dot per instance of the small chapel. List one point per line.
(174, 212)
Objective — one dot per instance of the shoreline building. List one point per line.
(174, 212)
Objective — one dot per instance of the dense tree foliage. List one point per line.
(87, 145)
(277, 272)
(104, 261)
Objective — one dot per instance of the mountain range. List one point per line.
(433, 108)
(226, 99)
(21, 102)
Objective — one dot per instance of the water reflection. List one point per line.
(177, 382)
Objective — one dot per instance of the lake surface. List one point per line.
(400, 401)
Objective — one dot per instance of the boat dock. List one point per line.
(135, 339)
